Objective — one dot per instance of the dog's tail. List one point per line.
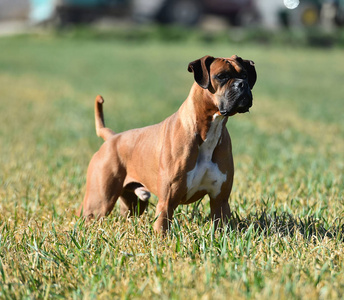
(101, 130)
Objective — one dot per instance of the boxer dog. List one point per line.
(181, 159)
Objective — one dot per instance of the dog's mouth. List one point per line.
(242, 110)
(240, 106)
(226, 113)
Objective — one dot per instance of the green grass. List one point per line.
(288, 187)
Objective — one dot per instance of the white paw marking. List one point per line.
(142, 193)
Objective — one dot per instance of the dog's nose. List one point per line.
(241, 84)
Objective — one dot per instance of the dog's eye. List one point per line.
(223, 76)
(244, 76)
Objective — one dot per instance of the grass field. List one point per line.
(288, 187)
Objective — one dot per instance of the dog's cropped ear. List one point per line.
(251, 72)
(201, 70)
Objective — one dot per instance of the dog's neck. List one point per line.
(203, 114)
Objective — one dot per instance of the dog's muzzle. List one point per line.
(238, 99)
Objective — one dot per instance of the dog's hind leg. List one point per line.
(104, 184)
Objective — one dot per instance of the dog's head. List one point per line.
(229, 80)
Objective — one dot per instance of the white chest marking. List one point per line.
(206, 175)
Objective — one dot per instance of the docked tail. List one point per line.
(101, 130)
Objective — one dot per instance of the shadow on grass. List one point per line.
(286, 224)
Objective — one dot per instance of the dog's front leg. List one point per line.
(163, 215)
(169, 199)
(219, 209)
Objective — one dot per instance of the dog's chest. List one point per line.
(206, 175)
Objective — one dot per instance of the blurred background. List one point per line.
(57, 55)
(19, 15)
